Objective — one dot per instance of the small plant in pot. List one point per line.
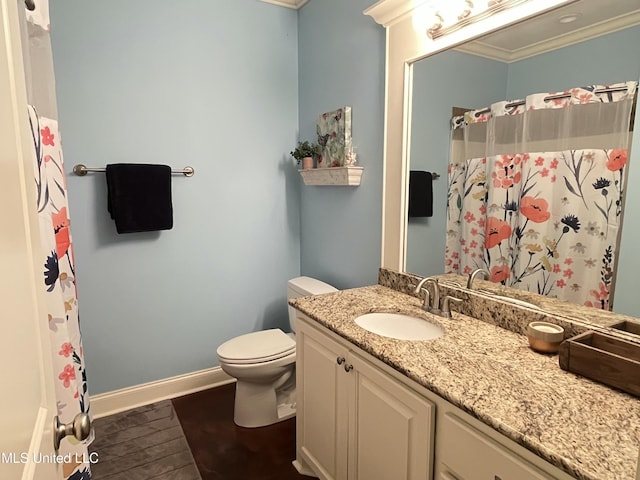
(305, 151)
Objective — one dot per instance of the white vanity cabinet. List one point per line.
(358, 418)
(355, 422)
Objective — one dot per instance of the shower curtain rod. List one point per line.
(81, 170)
(554, 97)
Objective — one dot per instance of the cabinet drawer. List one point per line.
(470, 455)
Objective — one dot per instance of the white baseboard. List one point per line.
(109, 403)
(303, 469)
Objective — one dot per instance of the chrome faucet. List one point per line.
(431, 302)
(435, 302)
(426, 305)
(474, 274)
(446, 310)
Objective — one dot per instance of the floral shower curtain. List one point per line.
(58, 268)
(536, 191)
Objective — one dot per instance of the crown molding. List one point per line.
(388, 12)
(548, 45)
(487, 51)
(295, 4)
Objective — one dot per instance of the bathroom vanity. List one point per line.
(476, 403)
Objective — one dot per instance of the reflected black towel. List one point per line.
(139, 197)
(420, 194)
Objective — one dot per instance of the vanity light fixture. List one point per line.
(468, 8)
(471, 11)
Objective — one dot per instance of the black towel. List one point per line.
(139, 197)
(420, 194)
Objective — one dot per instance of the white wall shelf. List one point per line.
(349, 176)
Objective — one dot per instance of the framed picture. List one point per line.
(334, 138)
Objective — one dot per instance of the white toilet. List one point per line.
(264, 365)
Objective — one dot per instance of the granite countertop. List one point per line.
(584, 428)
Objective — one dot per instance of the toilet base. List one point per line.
(286, 411)
(258, 405)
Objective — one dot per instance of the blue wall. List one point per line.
(211, 84)
(611, 58)
(441, 82)
(341, 62)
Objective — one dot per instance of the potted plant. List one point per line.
(305, 151)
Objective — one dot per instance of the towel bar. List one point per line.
(81, 170)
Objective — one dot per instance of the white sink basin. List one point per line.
(397, 325)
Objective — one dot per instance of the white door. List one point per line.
(27, 400)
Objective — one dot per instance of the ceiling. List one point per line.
(287, 3)
(546, 32)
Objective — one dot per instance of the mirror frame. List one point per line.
(407, 42)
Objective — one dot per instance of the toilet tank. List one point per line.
(301, 287)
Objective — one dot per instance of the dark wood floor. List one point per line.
(224, 451)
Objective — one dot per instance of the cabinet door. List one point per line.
(390, 427)
(469, 454)
(322, 405)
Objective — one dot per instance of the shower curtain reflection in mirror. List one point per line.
(536, 191)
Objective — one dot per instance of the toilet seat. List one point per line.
(257, 347)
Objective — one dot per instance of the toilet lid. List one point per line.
(257, 347)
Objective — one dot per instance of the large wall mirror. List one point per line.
(538, 52)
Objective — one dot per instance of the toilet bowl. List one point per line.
(263, 364)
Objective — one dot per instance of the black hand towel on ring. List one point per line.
(139, 197)
(420, 194)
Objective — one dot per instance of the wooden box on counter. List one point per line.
(604, 358)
